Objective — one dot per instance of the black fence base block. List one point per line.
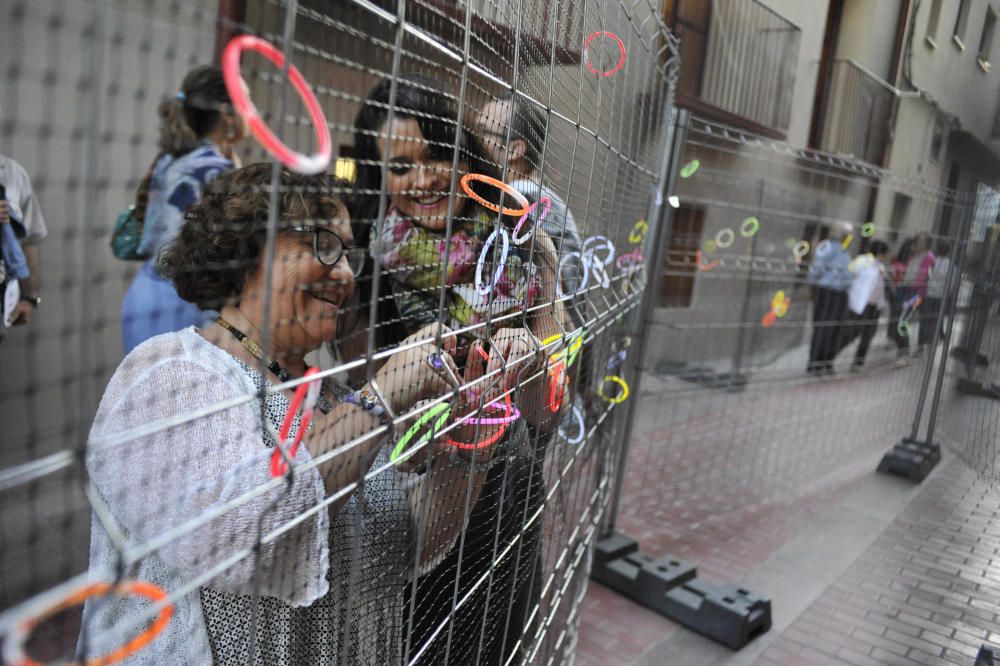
(668, 585)
(980, 389)
(730, 614)
(618, 564)
(700, 374)
(670, 367)
(965, 356)
(987, 657)
(733, 382)
(911, 459)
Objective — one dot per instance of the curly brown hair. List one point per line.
(222, 240)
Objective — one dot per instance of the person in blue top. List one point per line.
(829, 279)
(199, 130)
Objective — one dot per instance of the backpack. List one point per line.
(127, 233)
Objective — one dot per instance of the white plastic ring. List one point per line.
(482, 289)
(729, 236)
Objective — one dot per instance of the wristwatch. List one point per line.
(34, 300)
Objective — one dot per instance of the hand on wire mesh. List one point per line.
(419, 371)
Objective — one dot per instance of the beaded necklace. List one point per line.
(281, 373)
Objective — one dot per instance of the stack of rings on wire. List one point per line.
(484, 287)
(558, 365)
(305, 164)
(592, 264)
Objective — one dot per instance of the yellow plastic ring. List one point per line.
(617, 380)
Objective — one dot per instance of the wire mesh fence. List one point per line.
(357, 392)
(796, 304)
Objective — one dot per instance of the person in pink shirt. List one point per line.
(917, 274)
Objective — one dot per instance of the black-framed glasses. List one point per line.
(329, 248)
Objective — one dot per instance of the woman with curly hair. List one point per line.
(307, 569)
(199, 130)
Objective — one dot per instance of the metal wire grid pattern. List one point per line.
(728, 379)
(604, 151)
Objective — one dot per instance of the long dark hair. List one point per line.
(423, 99)
(905, 251)
(192, 113)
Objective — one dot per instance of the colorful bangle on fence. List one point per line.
(502, 186)
(442, 411)
(638, 232)
(485, 288)
(16, 634)
(305, 397)
(577, 414)
(541, 218)
(575, 341)
(621, 397)
(511, 415)
(305, 164)
(558, 379)
(586, 56)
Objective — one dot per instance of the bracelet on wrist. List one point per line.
(371, 401)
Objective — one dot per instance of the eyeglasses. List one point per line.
(329, 248)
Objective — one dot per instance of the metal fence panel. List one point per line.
(176, 498)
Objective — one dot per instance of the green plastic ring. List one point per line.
(415, 428)
(750, 227)
(690, 168)
(867, 230)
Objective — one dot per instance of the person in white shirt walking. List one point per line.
(865, 300)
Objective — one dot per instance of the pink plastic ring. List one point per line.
(511, 411)
(305, 164)
(520, 239)
(621, 47)
(305, 397)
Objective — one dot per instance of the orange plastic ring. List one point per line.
(154, 593)
(502, 186)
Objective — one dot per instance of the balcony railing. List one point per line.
(859, 106)
(739, 57)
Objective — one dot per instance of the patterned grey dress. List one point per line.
(359, 621)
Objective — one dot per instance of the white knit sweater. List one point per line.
(159, 481)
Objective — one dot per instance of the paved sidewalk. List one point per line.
(926, 592)
(775, 488)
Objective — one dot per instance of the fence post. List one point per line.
(914, 458)
(949, 306)
(660, 218)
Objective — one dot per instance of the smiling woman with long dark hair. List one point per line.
(428, 258)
